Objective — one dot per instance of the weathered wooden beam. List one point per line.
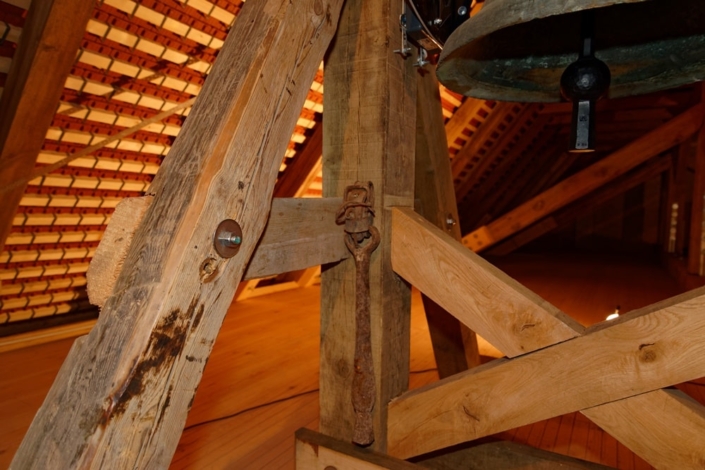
(668, 135)
(505, 313)
(300, 233)
(46, 51)
(369, 123)
(640, 352)
(666, 428)
(315, 451)
(454, 345)
(122, 396)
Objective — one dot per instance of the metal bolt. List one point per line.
(230, 239)
(227, 238)
(462, 11)
(437, 22)
(450, 221)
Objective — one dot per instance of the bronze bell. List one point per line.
(518, 50)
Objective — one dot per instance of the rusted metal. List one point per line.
(227, 238)
(357, 215)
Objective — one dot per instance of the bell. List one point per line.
(581, 50)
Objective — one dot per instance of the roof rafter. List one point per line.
(46, 51)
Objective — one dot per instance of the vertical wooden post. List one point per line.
(682, 196)
(368, 136)
(454, 345)
(695, 247)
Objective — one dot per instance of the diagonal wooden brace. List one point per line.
(125, 389)
(489, 301)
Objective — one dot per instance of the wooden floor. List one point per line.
(261, 382)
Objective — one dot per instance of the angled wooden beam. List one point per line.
(122, 396)
(668, 135)
(505, 313)
(43, 59)
(640, 352)
(301, 165)
(679, 440)
(587, 203)
(454, 345)
(369, 122)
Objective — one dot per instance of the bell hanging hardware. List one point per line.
(584, 82)
(426, 24)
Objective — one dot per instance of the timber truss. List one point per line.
(122, 397)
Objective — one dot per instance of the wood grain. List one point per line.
(677, 443)
(454, 344)
(106, 265)
(505, 313)
(369, 123)
(659, 140)
(126, 388)
(315, 451)
(643, 351)
(50, 38)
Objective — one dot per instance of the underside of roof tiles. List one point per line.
(138, 60)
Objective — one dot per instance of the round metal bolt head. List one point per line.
(227, 238)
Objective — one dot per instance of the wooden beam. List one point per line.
(454, 345)
(678, 441)
(505, 313)
(668, 135)
(122, 396)
(315, 451)
(587, 203)
(300, 233)
(46, 51)
(369, 122)
(640, 352)
(695, 245)
(301, 165)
